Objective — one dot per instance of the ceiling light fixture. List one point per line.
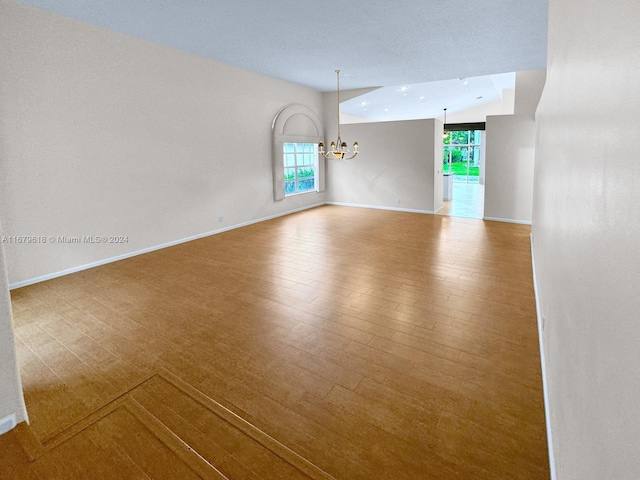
(339, 148)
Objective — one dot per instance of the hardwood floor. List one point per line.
(336, 342)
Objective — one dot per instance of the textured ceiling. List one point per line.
(373, 42)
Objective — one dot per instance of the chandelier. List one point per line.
(339, 148)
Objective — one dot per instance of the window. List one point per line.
(300, 166)
(296, 166)
(462, 155)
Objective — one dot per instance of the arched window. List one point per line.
(297, 167)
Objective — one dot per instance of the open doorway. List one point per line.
(463, 167)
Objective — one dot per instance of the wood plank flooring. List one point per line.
(372, 344)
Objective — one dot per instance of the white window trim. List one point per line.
(282, 134)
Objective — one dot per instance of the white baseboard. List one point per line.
(508, 220)
(7, 423)
(79, 268)
(543, 367)
(378, 207)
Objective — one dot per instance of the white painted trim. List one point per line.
(87, 266)
(543, 367)
(7, 423)
(280, 135)
(508, 220)
(79, 268)
(378, 207)
(438, 209)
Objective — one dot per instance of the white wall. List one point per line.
(104, 134)
(483, 155)
(529, 85)
(11, 399)
(395, 167)
(508, 101)
(437, 146)
(586, 233)
(509, 166)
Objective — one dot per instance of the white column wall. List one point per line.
(509, 166)
(586, 233)
(11, 398)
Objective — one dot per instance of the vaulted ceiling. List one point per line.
(376, 43)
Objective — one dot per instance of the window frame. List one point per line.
(295, 124)
(470, 147)
(309, 150)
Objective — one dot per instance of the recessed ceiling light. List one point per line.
(386, 109)
(421, 98)
(404, 89)
(363, 103)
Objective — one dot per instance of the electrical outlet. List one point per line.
(397, 200)
(220, 218)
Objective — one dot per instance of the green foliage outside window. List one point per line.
(461, 154)
(299, 167)
(302, 173)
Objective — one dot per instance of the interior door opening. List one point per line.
(462, 155)
(463, 167)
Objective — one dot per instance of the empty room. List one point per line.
(348, 240)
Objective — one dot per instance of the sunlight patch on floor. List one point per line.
(467, 201)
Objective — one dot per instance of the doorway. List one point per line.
(462, 155)
(463, 160)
